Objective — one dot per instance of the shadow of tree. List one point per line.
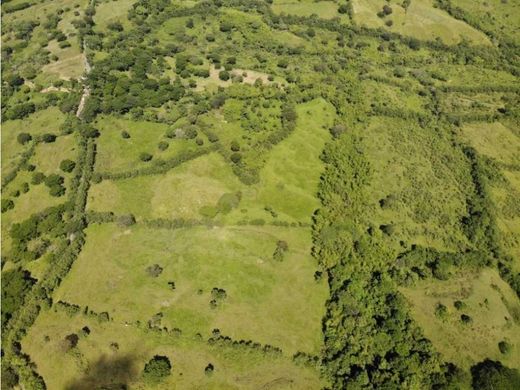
(107, 373)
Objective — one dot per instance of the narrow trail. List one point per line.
(86, 89)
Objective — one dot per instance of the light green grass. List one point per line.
(70, 63)
(270, 302)
(111, 11)
(179, 193)
(493, 140)
(494, 321)
(44, 121)
(116, 154)
(421, 21)
(189, 357)
(324, 9)
(47, 157)
(427, 176)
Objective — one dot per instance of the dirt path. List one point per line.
(86, 89)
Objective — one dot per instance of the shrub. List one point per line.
(126, 220)
(125, 134)
(441, 311)
(37, 178)
(23, 138)
(154, 270)
(343, 9)
(163, 145)
(459, 305)
(223, 75)
(226, 26)
(54, 180)
(7, 204)
(158, 368)
(281, 248)
(145, 156)
(48, 138)
(504, 347)
(465, 319)
(209, 369)
(67, 165)
(236, 157)
(57, 190)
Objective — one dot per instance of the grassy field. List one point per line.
(324, 9)
(421, 20)
(493, 140)
(70, 63)
(425, 176)
(110, 11)
(189, 357)
(44, 121)
(116, 154)
(179, 193)
(488, 300)
(47, 157)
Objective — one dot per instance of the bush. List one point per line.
(209, 369)
(126, 220)
(37, 178)
(223, 75)
(23, 138)
(343, 9)
(236, 157)
(125, 134)
(7, 204)
(57, 190)
(54, 180)
(158, 368)
(459, 305)
(145, 156)
(226, 26)
(67, 165)
(48, 138)
(465, 319)
(154, 270)
(163, 145)
(441, 311)
(504, 347)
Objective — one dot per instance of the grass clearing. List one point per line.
(272, 302)
(491, 304)
(44, 121)
(493, 140)
(179, 193)
(110, 11)
(421, 20)
(425, 175)
(323, 9)
(117, 154)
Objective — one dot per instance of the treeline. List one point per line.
(218, 339)
(158, 167)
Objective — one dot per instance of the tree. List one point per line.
(158, 368)
(125, 134)
(23, 138)
(226, 26)
(236, 157)
(190, 23)
(67, 165)
(504, 347)
(163, 145)
(492, 375)
(209, 369)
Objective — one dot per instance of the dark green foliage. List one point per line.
(158, 368)
(209, 369)
(465, 319)
(226, 26)
(145, 156)
(48, 138)
(492, 375)
(223, 75)
(163, 145)
(67, 166)
(125, 134)
(236, 158)
(459, 305)
(23, 138)
(37, 178)
(228, 202)
(504, 347)
(281, 248)
(15, 285)
(7, 204)
(441, 311)
(54, 180)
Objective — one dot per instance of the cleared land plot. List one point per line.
(116, 354)
(70, 63)
(493, 140)
(110, 11)
(489, 301)
(324, 9)
(44, 121)
(180, 193)
(421, 20)
(419, 182)
(48, 156)
(267, 301)
(118, 154)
